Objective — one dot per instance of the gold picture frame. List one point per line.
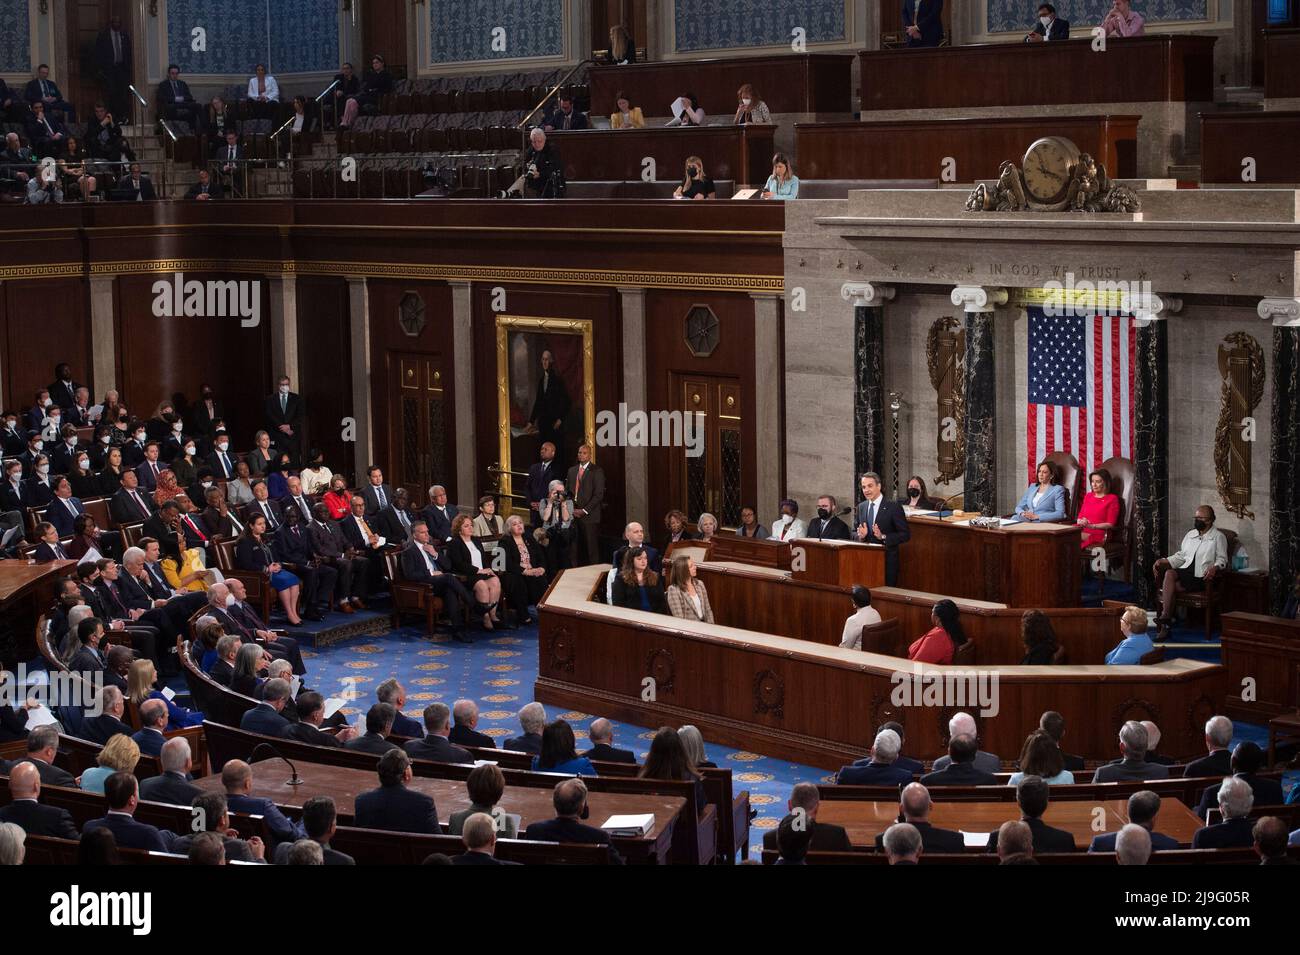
(506, 325)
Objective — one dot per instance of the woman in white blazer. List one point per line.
(263, 93)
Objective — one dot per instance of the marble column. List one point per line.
(462, 330)
(1150, 456)
(870, 410)
(284, 328)
(980, 482)
(103, 341)
(1284, 482)
(359, 314)
(768, 379)
(636, 458)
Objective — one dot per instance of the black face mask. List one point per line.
(913, 492)
(692, 171)
(1200, 525)
(823, 512)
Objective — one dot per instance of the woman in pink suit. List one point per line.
(1099, 511)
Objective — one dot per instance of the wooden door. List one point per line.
(383, 31)
(711, 480)
(80, 81)
(417, 411)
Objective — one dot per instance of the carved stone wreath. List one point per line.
(769, 694)
(563, 650)
(661, 666)
(1135, 709)
(1199, 712)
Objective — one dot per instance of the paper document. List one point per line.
(975, 840)
(635, 825)
(333, 705)
(168, 693)
(41, 716)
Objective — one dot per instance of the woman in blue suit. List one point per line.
(1044, 501)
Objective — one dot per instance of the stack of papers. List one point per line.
(975, 840)
(629, 826)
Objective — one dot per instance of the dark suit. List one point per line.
(1046, 839)
(439, 521)
(629, 596)
(464, 736)
(293, 548)
(332, 856)
(588, 495)
(130, 834)
(528, 743)
(371, 495)
(38, 820)
(172, 788)
(222, 672)
(175, 101)
(1218, 763)
(306, 733)
(550, 405)
(453, 593)
(241, 619)
(38, 90)
(150, 741)
(329, 544)
(832, 529)
(124, 509)
(522, 591)
(823, 837)
(933, 839)
(394, 526)
(1059, 30)
(263, 719)
(100, 729)
(1124, 770)
(610, 754)
(62, 518)
(280, 827)
(479, 858)
(212, 190)
(47, 137)
(396, 808)
(1106, 842)
(655, 562)
(928, 19)
(86, 660)
(114, 60)
(574, 119)
(146, 474)
(135, 190)
(292, 415)
(437, 749)
(1232, 834)
(51, 775)
(370, 743)
(403, 725)
(570, 830)
(1268, 792)
(540, 475)
(959, 774)
(874, 774)
(892, 521)
(45, 553)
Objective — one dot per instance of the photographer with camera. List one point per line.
(543, 176)
(555, 532)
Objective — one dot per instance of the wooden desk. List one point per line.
(1266, 650)
(25, 590)
(820, 705)
(449, 795)
(901, 150)
(1166, 69)
(1281, 54)
(742, 153)
(866, 820)
(841, 563)
(761, 552)
(787, 83)
(1269, 138)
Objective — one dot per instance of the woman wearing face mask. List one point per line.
(316, 476)
(185, 466)
(918, 495)
(277, 482)
(159, 426)
(750, 109)
(695, 185)
(337, 498)
(39, 492)
(99, 446)
(84, 483)
(12, 439)
(133, 449)
(789, 526)
(172, 445)
(110, 475)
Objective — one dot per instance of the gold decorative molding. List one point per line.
(1103, 296)
(44, 270)
(1241, 363)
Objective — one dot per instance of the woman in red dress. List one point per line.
(338, 499)
(939, 643)
(1099, 510)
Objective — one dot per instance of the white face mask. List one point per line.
(745, 101)
(72, 441)
(43, 470)
(1045, 21)
(223, 445)
(47, 402)
(11, 425)
(83, 463)
(39, 445)
(206, 485)
(139, 435)
(106, 439)
(230, 600)
(284, 389)
(189, 449)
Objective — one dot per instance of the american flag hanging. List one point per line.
(1080, 387)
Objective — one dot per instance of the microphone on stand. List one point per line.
(295, 780)
(948, 500)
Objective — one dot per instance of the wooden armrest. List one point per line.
(707, 834)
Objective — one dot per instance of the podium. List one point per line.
(836, 562)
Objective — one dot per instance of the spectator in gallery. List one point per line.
(1040, 756)
(686, 111)
(1098, 511)
(627, 116)
(1038, 637)
(1049, 27)
(749, 525)
(864, 616)
(1044, 500)
(638, 587)
(919, 496)
(788, 527)
(695, 184)
(940, 642)
(375, 85)
(686, 595)
(1134, 643)
(707, 525)
(622, 50)
(675, 521)
(783, 183)
(1122, 20)
(749, 108)
(263, 92)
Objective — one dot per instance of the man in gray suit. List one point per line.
(1134, 765)
(963, 724)
(586, 486)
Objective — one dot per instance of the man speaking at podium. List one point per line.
(881, 521)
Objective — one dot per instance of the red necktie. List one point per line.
(203, 537)
(577, 482)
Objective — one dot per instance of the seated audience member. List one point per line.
(638, 587)
(1015, 844)
(100, 729)
(525, 579)
(914, 807)
(421, 563)
(1123, 21)
(693, 743)
(938, 644)
(960, 769)
(153, 720)
(251, 662)
(305, 852)
(601, 735)
(902, 844)
(1143, 807)
(823, 837)
(213, 815)
(123, 795)
(393, 693)
(1039, 638)
(622, 50)
(376, 83)
(675, 521)
(119, 755)
(1049, 27)
(111, 473)
(42, 748)
(866, 615)
(634, 536)
(311, 715)
(560, 752)
(18, 163)
(1234, 799)
(1270, 841)
(1134, 643)
(240, 490)
(237, 780)
(1153, 745)
(749, 108)
(826, 525)
(1044, 501)
(543, 176)
(486, 785)
(707, 525)
(379, 723)
(205, 188)
(470, 563)
(393, 806)
(174, 99)
(320, 819)
(316, 477)
(49, 547)
(1098, 511)
(963, 724)
(105, 142)
(532, 719)
(570, 801)
(1133, 764)
(1202, 554)
(26, 811)
(238, 617)
(480, 838)
(626, 116)
(217, 118)
(1032, 797)
(918, 495)
(267, 717)
(792, 842)
(686, 595)
(783, 183)
(435, 745)
(749, 525)
(394, 520)
(44, 91)
(142, 682)
(923, 23)
(13, 720)
(913, 766)
(1218, 759)
(1053, 724)
(263, 93)
(84, 481)
(173, 784)
(686, 111)
(565, 116)
(880, 770)
(253, 553)
(1247, 760)
(667, 759)
(225, 654)
(1040, 756)
(695, 184)
(464, 714)
(87, 658)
